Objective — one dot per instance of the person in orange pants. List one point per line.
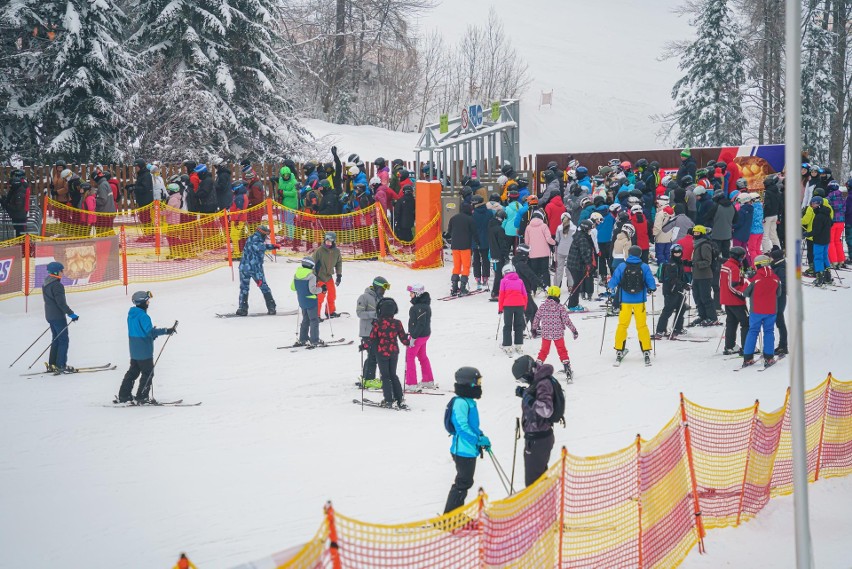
(328, 261)
(184, 563)
(462, 231)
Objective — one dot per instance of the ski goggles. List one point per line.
(385, 286)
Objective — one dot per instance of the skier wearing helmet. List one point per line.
(328, 262)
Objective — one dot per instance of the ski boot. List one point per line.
(827, 277)
(300, 344)
(569, 374)
(507, 350)
(243, 309)
(428, 385)
(463, 290)
(317, 344)
(270, 303)
(577, 308)
(748, 360)
(401, 405)
(519, 349)
(696, 322)
(710, 322)
(647, 354)
(372, 383)
(413, 388)
(619, 356)
(66, 369)
(809, 272)
(819, 282)
(386, 404)
(735, 351)
(454, 288)
(769, 361)
(781, 351)
(658, 336)
(679, 332)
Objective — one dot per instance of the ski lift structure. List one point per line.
(473, 140)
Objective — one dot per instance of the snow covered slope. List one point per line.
(246, 474)
(369, 142)
(600, 59)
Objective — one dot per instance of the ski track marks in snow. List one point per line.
(246, 473)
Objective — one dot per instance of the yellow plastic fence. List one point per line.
(646, 505)
(159, 243)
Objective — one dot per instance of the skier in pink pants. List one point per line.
(419, 327)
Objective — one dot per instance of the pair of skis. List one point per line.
(177, 403)
(89, 369)
(255, 314)
(620, 358)
(377, 405)
(471, 293)
(419, 391)
(766, 365)
(328, 344)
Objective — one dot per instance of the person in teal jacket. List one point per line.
(305, 285)
(141, 333)
(468, 440)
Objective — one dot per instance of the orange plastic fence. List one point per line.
(159, 243)
(646, 505)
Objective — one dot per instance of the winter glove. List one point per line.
(171, 331)
(364, 346)
(807, 233)
(324, 289)
(338, 279)
(334, 151)
(74, 317)
(484, 442)
(276, 246)
(519, 391)
(576, 335)
(499, 312)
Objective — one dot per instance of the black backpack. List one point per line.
(633, 280)
(558, 415)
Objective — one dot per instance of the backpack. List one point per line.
(558, 415)
(448, 415)
(633, 280)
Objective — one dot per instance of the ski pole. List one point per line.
(63, 331)
(30, 346)
(653, 325)
(515, 453)
(150, 377)
(328, 317)
(500, 474)
(603, 333)
(678, 313)
(497, 333)
(721, 337)
(361, 351)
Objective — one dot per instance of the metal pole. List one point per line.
(795, 312)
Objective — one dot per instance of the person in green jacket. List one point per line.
(288, 194)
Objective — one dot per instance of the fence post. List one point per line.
(271, 221)
(333, 548)
(748, 460)
(696, 507)
(157, 230)
(26, 272)
(639, 496)
(44, 217)
(123, 247)
(380, 217)
(562, 505)
(822, 427)
(480, 507)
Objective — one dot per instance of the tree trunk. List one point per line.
(839, 91)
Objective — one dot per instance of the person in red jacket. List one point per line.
(553, 211)
(763, 292)
(384, 334)
(512, 302)
(643, 230)
(731, 286)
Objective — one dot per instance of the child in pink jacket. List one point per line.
(512, 302)
(88, 203)
(537, 236)
(551, 320)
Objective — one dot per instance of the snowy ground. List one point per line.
(369, 142)
(246, 474)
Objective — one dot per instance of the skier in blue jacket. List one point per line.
(141, 333)
(468, 440)
(636, 280)
(251, 268)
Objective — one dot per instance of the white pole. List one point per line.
(795, 312)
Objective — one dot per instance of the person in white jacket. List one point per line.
(662, 239)
(159, 186)
(564, 237)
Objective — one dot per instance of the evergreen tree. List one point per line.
(85, 69)
(817, 86)
(221, 57)
(708, 98)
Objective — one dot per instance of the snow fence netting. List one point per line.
(645, 506)
(160, 243)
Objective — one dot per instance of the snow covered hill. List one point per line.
(600, 59)
(247, 473)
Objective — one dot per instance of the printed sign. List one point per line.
(93, 261)
(495, 111)
(475, 113)
(464, 119)
(11, 270)
(445, 124)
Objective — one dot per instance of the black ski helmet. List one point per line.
(586, 225)
(380, 162)
(523, 366)
(309, 167)
(387, 307)
(677, 249)
(468, 376)
(141, 297)
(737, 253)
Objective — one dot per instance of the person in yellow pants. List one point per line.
(636, 281)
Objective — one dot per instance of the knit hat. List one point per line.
(776, 254)
(686, 152)
(55, 267)
(263, 229)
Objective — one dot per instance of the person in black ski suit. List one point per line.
(675, 284)
(55, 310)
(404, 215)
(329, 204)
(16, 201)
(224, 197)
(530, 278)
(499, 248)
(581, 262)
(537, 407)
(206, 194)
(251, 268)
(143, 188)
(779, 267)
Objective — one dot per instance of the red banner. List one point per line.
(11, 271)
(87, 262)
